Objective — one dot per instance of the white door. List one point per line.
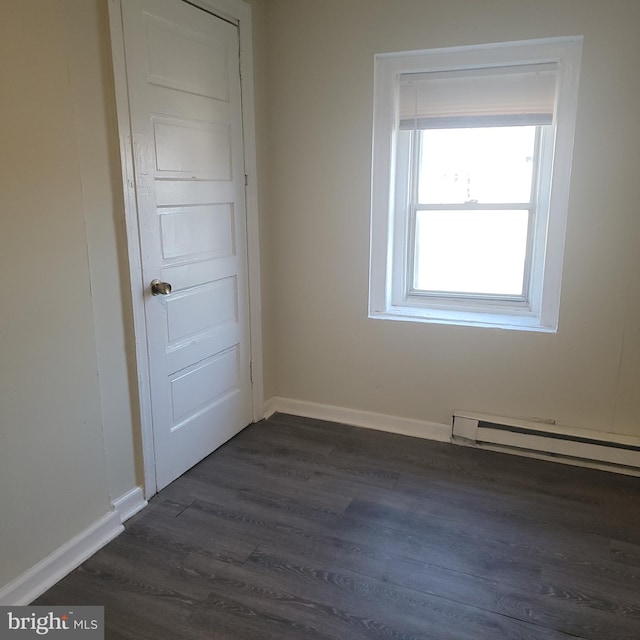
(184, 92)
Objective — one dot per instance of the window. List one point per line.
(471, 167)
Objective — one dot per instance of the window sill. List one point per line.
(464, 318)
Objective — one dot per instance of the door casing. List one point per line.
(237, 12)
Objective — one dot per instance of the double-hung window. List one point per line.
(471, 168)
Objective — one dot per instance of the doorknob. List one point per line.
(159, 288)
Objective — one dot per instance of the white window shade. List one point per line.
(509, 95)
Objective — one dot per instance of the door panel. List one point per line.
(187, 149)
(197, 229)
(184, 91)
(202, 385)
(201, 309)
(184, 58)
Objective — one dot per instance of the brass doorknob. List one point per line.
(159, 288)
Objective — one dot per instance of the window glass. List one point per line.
(471, 252)
(485, 165)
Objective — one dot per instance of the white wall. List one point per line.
(96, 140)
(320, 100)
(53, 471)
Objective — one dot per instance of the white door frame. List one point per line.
(237, 12)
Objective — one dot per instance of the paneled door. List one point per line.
(185, 107)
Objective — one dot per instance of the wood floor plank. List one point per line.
(307, 463)
(533, 507)
(354, 606)
(625, 553)
(521, 539)
(223, 486)
(301, 529)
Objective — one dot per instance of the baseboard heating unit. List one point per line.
(548, 441)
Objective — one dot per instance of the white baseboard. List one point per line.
(34, 582)
(269, 407)
(129, 503)
(356, 418)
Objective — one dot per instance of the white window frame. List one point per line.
(390, 296)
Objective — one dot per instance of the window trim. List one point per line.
(386, 277)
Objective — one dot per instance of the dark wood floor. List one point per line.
(305, 530)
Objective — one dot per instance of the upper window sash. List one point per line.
(432, 156)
